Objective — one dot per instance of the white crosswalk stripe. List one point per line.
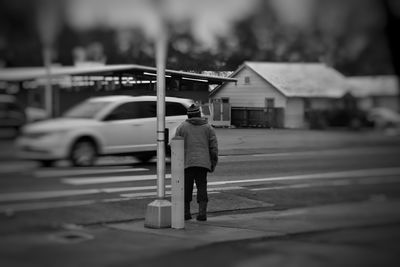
(77, 172)
(209, 190)
(327, 175)
(110, 179)
(25, 196)
(365, 181)
(371, 176)
(60, 193)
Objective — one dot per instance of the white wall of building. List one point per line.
(252, 94)
(294, 113)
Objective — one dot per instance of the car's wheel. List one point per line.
(83, 153)
(46, 163)
(145, 157)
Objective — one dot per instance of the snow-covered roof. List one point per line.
(302, 79)
(363, 86)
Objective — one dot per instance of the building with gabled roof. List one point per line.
(375, 91)
(280, 94)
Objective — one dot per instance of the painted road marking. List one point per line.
(154, 194)
(110, 179)
(10, 208)
(364, 181)
(307, 185)
(209, 190)
(328, 175)
(77, 172)
(25, 196)
(18, 207)
(19, 196)
(364, 150)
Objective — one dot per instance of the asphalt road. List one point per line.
(257, 172)
(252, 178)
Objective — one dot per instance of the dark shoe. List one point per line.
(201, 218)
(188, 216)
(202, 212)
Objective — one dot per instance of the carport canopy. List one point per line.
(131, 70)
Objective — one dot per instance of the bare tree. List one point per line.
(392, 10)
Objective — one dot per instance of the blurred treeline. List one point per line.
(348, 35)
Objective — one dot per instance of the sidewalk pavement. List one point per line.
(130, 243)
(268, 224)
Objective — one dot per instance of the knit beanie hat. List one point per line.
(193, 111)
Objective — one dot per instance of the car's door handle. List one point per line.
(137, 125)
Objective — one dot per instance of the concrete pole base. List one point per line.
(158, 214)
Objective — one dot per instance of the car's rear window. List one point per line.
(86, 110)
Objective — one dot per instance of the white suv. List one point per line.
(110, 125)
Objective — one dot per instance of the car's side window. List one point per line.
(175, 109)
(134, 110)
(124, 111)
(148, 109)
(13, 107)
(144, 109)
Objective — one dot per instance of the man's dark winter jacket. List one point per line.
(201, 146)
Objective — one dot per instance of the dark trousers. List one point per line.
(198, 175)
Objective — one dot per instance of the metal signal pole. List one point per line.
(158, 214)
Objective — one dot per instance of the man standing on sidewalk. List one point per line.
(201, 156)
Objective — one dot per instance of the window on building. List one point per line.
(247, 80)
(206, 110)
(307, 104)
(269, 102)
(225, 99)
